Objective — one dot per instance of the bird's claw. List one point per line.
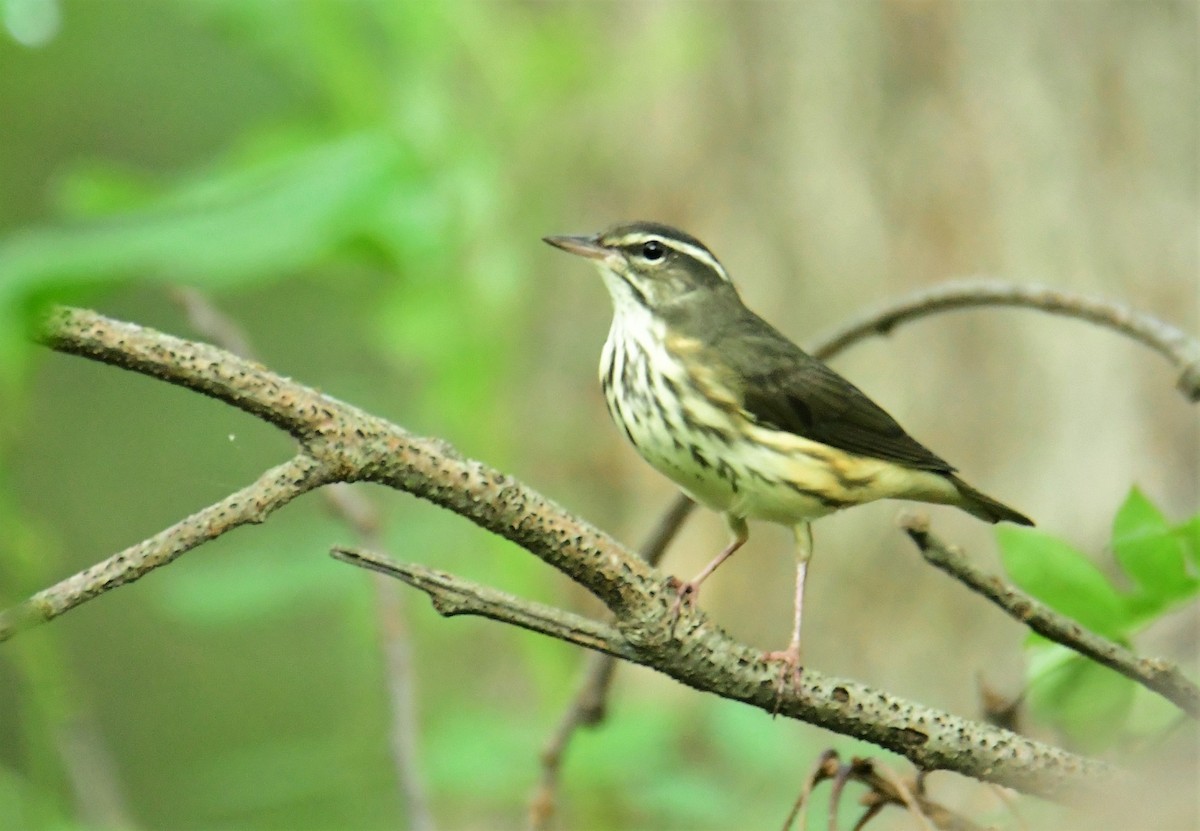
(790, 667)
(685, 595)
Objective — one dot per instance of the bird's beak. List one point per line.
(583, 246)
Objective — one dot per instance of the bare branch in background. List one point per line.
(1182, 350)
(587, 709)
(92, 773)
(884, 787)
(359, 513)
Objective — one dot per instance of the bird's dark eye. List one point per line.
(653, 250)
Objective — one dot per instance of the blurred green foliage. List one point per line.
(1093, 705)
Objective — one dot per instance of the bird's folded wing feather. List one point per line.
(783, 387)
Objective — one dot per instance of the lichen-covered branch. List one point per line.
(342, 443)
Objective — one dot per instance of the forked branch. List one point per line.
(340, 443)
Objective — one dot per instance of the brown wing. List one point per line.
(786, 388)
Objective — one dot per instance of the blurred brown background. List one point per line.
(833, 156)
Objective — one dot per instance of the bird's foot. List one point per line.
(685, 595)
(790, 669)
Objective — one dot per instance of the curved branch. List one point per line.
(343, 443)
(1176, 346)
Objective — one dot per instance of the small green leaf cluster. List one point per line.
(1159, 561)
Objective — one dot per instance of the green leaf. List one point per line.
(93, 190)
(1090, 703)
(1063, 578)
(1188, 534)
(1137, 515)
(1151, 715)
(1151, 554)
(226, 228)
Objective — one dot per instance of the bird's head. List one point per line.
(650, 266)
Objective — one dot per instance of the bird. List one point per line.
(738, 416)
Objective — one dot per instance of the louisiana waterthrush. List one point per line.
(741, 418)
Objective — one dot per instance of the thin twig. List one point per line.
(825, 768)
(1007, 800)
(884, 787)
(452, 596)
(840, 778)
(1154, 674)
(1176, 346)
(395, 644)
(212, 323)
(668, 525)
(897, 790)
(93, 773)
(274, 489)
(359, 513)
(588, 706)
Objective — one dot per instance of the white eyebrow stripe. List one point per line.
(685, 248)
(701, 254)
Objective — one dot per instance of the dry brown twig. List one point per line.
(1182, 350)
(884, 788)
(339, 443)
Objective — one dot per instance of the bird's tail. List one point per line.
(983, 506)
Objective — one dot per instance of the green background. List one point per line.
(362, 187)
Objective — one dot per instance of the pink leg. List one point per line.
(690, 590)
(790, 657)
